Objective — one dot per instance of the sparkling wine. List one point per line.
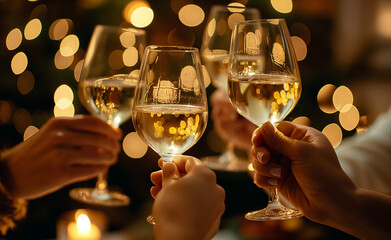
(264, 97)
(217, 66)
(170, 129)
(110, 98)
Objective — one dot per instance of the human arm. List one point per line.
(313, 181)
(65, 150)
(229, 125)
(188, 202)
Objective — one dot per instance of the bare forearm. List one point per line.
(367, 215)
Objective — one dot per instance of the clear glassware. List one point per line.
(264, 85)
(214, 55)
(106, 89)
(170, 111)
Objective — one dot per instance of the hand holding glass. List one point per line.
(264, 85)
(106, 88)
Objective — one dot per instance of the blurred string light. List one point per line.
(349, 119)
(25, 82)
(282, 6)
(14, 39)
(29, 132)
(33, 29)
(5, 112)
(325, 95)
(22, 119)
(342, 96)
(133, 146)
(63, 99)
(60, 28)
(191, 15)
(232, 19)
(138, 13)
(62, 62)
(69, 45)
(77, 70)
(300, 48)
(334, 133)
(236, 7)
(19, 63)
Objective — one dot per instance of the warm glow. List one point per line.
(22, 119)
(69, 45)
(89, 4)
(32, 29)
(206, 76)
(303, 120)
(19, 63)
(83, 223)
(233, 18)
(5, 112)
(300, 48)
(342, 96)
(236, 7)
(25, 82)
(325, 96)
(62, 62)
(302, 31)
(127, 39)
(77, 70)
(63, 91)
(14, 39)
(59, 29)
(349, 119)
(334, 133)
(131, 7)
(30, 131)
(191, 15)
(383, 21)
(68, 112)
(142, 17)
(133, 146)
(116, 59)
(282, 6)
(211, 27)
(130, 57)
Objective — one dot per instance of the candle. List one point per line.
(83, 229)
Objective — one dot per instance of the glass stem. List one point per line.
(101, 191)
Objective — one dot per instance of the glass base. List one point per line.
(151, 220)
(92, 196)
(274, 211)
(227, 162)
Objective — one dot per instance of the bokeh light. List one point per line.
(282, 6)
(236, 7)
(67, 112)
(63, 91)
(5, 112)
(383, 19)
(59, 29)
(133, 146)
(301, 30)
(138, 13)
(77, 70)
(206, 76)
(22, 119)
(32, 29)
(349, 119)
(300, 48)
(69, 45)
(176, 5)
(130, 57)
(62, 62)
(116, 59)
(14, 39)
(334, 133)
(127, 39)
(19, 63)
(233, 18)
(325, 96)
(342, 96)
(303, 120)
(191, 15)
(29, 132)
(25, 82)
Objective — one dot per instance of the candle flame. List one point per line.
(83, 223)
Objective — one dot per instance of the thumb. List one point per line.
(277, 141)
(170, 173)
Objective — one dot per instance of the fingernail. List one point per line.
(272, 182)
(275, 172)
(268, 128)
(260, 157)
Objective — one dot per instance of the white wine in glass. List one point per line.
(170, 111)
(264, 85)
(106, 88)
(214, 55)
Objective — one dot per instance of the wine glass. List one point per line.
(170, 111)
(106, 89)
(214, 55)
(264, 85)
